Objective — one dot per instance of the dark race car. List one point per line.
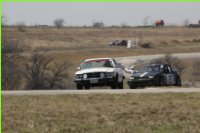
(118, 43)
(155, 75)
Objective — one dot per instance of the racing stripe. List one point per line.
(144, 74)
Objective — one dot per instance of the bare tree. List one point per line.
(21, 26)
(145, 21)
(97, 24)
(124, 25)
(3, 20)
(41, 76)
(59, 23)
(186, 22)
(171, 60)
(11, 69)
(12, 74)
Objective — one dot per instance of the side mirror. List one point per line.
(78, 68)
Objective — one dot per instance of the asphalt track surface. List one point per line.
(101, 91)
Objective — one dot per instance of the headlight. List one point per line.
(78, 76)
(102, 75)
(131, 78)
(85, 76)
(110, 74)
(151, 77)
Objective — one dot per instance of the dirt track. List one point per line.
(128, 61)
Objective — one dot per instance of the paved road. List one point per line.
(103, 91)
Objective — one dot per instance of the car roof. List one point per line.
(99, 59)
(155, 64)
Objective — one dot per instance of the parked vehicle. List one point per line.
(99, 72)
(155, 75)
(118, 43)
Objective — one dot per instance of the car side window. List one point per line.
(115, 63)
(166, 70)
(169, 69)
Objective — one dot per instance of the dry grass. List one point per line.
(125, 113)
(99, 37)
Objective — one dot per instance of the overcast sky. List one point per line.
(110, 13)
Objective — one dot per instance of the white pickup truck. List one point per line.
(99, 72)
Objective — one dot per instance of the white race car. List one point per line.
(99, 72)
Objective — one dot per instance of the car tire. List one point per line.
(133, 87)
(161, 82)
(79, 87)
(121, 85)
(87, 87)
(115, 83)
(178, 81)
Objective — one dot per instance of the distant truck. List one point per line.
(155, 75)
(159, 23)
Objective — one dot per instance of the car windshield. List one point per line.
(155, 68)
(96, 64)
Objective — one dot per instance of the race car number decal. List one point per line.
(170, 79)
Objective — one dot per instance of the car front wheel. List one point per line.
(79, 87)
(87, 87)
(115, 83)
(121, 85)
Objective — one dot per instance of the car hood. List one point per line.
(144, 74)
(92, 70)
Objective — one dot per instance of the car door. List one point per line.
(169, 78)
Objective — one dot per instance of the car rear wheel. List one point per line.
(161, 82)
(178, 82)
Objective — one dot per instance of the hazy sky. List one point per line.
(110, 13)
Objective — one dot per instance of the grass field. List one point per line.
(102, 113)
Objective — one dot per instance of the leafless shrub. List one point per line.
(12, 74)
(176, 42)
(21, 27)
(98, 24)
(164, 42)
(13, 46)
(124, 25)
(41, 76)
(195, 78)
(59, 23)
(186, 22)
(195, 41)
(171, 60)
(146, 44)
